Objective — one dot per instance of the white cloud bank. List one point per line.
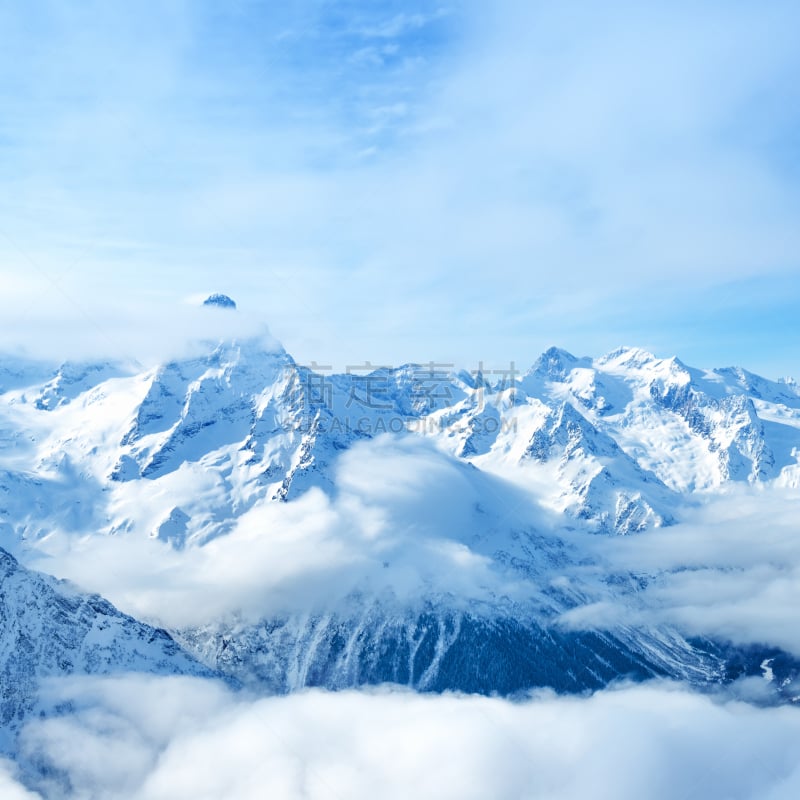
(405, 519)
(146, 738)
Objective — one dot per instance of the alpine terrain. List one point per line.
(419, 525)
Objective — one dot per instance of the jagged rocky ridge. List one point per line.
(610, 442)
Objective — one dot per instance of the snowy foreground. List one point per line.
(576, 580)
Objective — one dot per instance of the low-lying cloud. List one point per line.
(151, 738)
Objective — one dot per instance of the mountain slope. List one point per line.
(436, 646)
(49, 628)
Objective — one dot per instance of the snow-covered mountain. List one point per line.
(181, 450)
(49, 628)
(187, 452)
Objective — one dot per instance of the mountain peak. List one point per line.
(220, 301)
(628, 356)
(554, 364)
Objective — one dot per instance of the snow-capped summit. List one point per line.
(628, 357)
(555, 364)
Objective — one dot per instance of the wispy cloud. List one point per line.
(398, 25)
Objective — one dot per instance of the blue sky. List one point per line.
(391, 181)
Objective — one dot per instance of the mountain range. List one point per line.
(458, 504)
